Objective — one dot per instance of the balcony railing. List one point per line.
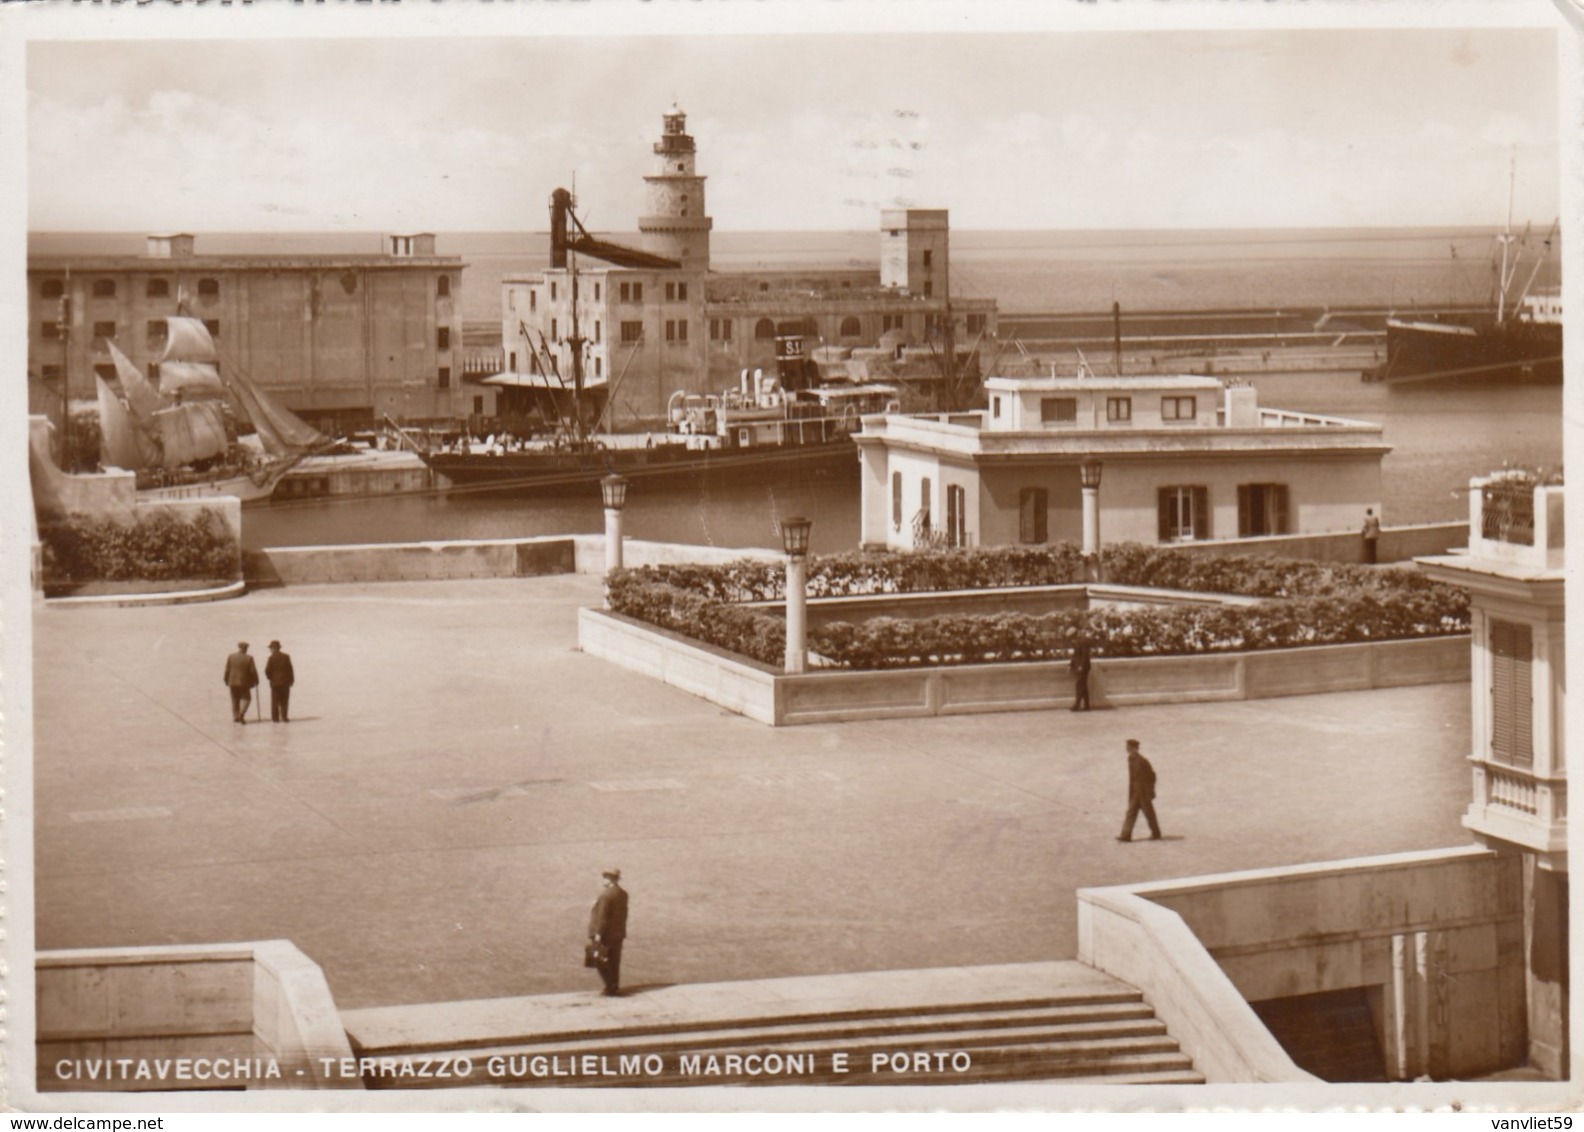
(1507, 512)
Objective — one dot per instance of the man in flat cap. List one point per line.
(278, 671)
(1141, 793)
(241, 677)
(608, 927)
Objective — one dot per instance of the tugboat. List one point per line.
(778, 424)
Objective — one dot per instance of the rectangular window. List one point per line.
(995, 408)
(208, 288)
(212, 325)
(599, 367)
(533, 300)
(632, 332)
(555, 331)
(445, 377)
(104, 330)
(637, 289)
(1512, 692)
(896, 501)
(1119, 410)
(1033, 515)
(157, 288)
(1262, 509)
(552, 292)
(1179, 408)
(676, 330)
(956, 515)
(50, 329)
(1183, 513)
(596, 330)
(929, 288)
(624, 292)
(443, 338)
(1058, 410)
(921, 522)
(104, 288)
(977, 323)
(156, 330)
(928, 256)
(720, 329)
(675, 291)
(596, 292)
(50, 371)
(52, 288)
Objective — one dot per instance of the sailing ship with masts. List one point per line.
(180, 432)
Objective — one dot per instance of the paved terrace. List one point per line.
(432, 824)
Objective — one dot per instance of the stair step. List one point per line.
(1027, 1059)
(1077, 1007)
(1059, 1020)
(863, 1045)
(1163, 1077)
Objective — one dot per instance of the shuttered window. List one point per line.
(1182, 513)
(1262, 509)
(1033, 507)
(896, 501)
(956, 515)
(1512, 693)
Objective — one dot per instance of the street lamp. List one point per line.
(1089, 477)
(614, 491)
(795, 541)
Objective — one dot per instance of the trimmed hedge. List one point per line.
(1310, 603)
(161, 547)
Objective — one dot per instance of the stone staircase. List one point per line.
(1057, 1022)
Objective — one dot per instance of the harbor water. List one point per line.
(1439, 441)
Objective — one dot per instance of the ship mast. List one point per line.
(575, 341)
(1506, 239)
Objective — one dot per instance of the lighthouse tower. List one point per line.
(676, 225)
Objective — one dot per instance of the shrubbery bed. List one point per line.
(1309, 603)
(159, 548)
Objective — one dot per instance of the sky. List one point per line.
(1072, 129)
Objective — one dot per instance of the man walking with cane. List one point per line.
(241, 677)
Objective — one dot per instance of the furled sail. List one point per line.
(121, 443)
(280, 431)
(191, 431)
(188, 369)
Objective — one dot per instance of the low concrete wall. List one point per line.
(469, 558)
(1150, 947)
(1437, 936)
(247, 1015)
(731, 681)
(1396, 544)
(834, 695)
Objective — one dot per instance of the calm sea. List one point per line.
(1439, 439)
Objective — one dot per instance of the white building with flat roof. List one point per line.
(1180, 458)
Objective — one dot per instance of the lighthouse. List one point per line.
(676, 225)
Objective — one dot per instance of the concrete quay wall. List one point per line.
(767, 695)
(1396, 544)
(468, 558)
(213, 1016)
(585, 554)
(1435, 939)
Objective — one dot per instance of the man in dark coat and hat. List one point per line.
(278, 671)
(608, 927)
(241, 677)
(1141, 793)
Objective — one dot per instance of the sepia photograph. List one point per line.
(841, 558)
